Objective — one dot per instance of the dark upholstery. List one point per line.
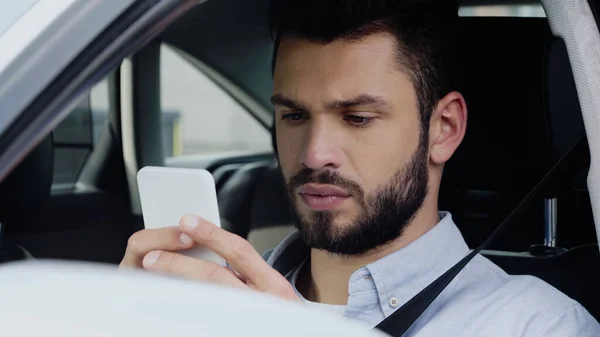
(563, 112)
(576, 273)
(236, 195)
(565, 127)
(506, 148)
(27, 187)
(223, 173)
(91, 225)
(503, 62)
(276, 210)
(24, 191)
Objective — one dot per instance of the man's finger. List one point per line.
(239, 253)
(145, 241)
(190, 268)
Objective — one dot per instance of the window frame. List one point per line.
(94, 55)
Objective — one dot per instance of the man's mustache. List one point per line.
(308, 176)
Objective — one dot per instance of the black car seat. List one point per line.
(84, 225)
(271, 218)
(574, 271)
(523, 116)
(235, 193)
(263, 222)
(505, 150)
(25, 190)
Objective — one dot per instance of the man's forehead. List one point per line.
(324, 73)
(297, 53)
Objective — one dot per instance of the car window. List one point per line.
(75, 137)
(199, 117)
(504, 10)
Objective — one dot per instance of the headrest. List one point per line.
(563, 112)
(26, 188)
(506, 146)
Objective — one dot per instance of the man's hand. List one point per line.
(153, 249)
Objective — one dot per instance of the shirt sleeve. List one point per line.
(575, 321)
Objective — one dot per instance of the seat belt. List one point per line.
(404, 317)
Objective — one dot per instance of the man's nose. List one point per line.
(321, 148)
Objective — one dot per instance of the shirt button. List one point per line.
(393, 302)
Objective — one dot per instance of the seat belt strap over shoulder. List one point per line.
(398, 323)
(299, 252)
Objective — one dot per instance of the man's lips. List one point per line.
(323, 197)
(323, 191)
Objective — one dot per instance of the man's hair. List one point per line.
(425, 31)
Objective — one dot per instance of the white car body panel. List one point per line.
(74, 299)
(42, 42)
(28, 27)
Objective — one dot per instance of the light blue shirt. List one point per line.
(482, 301)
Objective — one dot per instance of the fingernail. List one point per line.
(185, 239)
(150, 258)
(190, 221)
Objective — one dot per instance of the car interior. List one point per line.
(74, 196)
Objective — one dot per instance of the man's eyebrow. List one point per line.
(287, 102)
(360, 100)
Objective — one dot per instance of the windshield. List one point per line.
(10, 11)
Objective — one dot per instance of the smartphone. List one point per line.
(166, 194)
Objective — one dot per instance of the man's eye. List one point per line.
(359, 121)
(293, 116)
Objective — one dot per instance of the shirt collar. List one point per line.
(402, 274)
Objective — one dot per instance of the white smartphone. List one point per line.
(166, 194)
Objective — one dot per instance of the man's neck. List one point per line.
(325, 279)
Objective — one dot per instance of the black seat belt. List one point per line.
(404, 317)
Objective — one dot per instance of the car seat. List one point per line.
(24, 191)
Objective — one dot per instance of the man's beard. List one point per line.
(383, 215)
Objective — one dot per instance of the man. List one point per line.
(366, 115)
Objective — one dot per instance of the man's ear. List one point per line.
(447, 128)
